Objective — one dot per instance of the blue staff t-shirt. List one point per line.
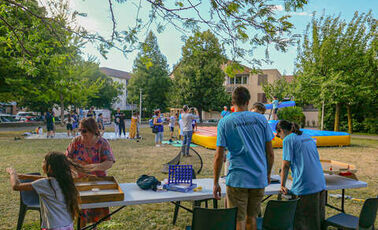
(306, 169)
(245, 134)
(224, 113)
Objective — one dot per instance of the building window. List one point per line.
(238, 79)
(262, 79)
(261, 98)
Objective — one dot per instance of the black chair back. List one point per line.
(279, 214)
(29, 198)
(214, 219)
(368, 213)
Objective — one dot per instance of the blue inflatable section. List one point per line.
(281, 105)
(310, 132)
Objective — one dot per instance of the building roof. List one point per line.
(289, 78)
(115, 73)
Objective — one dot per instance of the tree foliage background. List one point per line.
(40, 61)
(150, 73)
(198, 77)
(337, 65)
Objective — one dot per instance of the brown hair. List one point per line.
(259, 107)
(90, 124)
(240, 96)
(59, 167)
(288, 127)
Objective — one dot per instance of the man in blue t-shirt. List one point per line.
(224, 112)
(301, 156)
(248, 138)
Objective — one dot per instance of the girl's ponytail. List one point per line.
(288, 126)
(295, 128)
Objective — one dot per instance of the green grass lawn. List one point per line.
(136, 158)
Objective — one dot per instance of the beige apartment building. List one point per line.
(253, 82)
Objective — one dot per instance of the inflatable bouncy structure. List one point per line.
(207, 136)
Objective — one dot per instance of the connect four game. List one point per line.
(180, 178)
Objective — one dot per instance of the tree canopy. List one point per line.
(240, 26)
(336, 65)
(41, 66)
(198, 77)
(150, 74)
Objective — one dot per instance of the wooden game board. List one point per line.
(336, 167)
(98, 189)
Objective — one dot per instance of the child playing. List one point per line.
(100, 123)
(69, 122)
(57, 192)
(258, 108)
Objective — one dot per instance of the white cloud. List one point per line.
(278, 7)
(304, 13)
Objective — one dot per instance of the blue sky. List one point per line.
(170, 43)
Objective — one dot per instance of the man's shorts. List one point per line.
(172, 129)
(69, 127)
(49, 127)
(247, 200)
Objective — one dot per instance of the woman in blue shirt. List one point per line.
(301, 156)
(158, 123)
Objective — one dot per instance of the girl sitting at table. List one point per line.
(301, 156)
(57, 192)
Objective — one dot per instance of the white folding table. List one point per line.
(134, 195)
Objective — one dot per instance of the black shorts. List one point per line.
(172, 129)
(69, 127)
(50, 127)
(275, 110)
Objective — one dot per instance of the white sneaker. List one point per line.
(157, 145)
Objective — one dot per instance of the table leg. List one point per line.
(215, 203)
(342, 200)
(177, 207)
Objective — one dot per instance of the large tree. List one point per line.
(337, 64)
(198, 78)
(150, 74)
(42, 66)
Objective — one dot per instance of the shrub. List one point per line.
(292, 114)
(371, 125)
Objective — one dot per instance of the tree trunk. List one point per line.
(337, 117)
(350, 126)
(61, 109)
(200, 114)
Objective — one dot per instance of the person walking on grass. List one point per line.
(100, 123)
(172, 123)
(248, 138)
(187, 128)
(49, 124)
(158, 126)
(69, 121)
(301, 156)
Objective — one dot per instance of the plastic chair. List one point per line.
(366, 220)
(29, 200)
(213, 219)
(279, 215)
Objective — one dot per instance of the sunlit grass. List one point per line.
(136, 158)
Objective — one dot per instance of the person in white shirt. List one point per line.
(187, 119)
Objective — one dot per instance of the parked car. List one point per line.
(25, 116)
(6, 118)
